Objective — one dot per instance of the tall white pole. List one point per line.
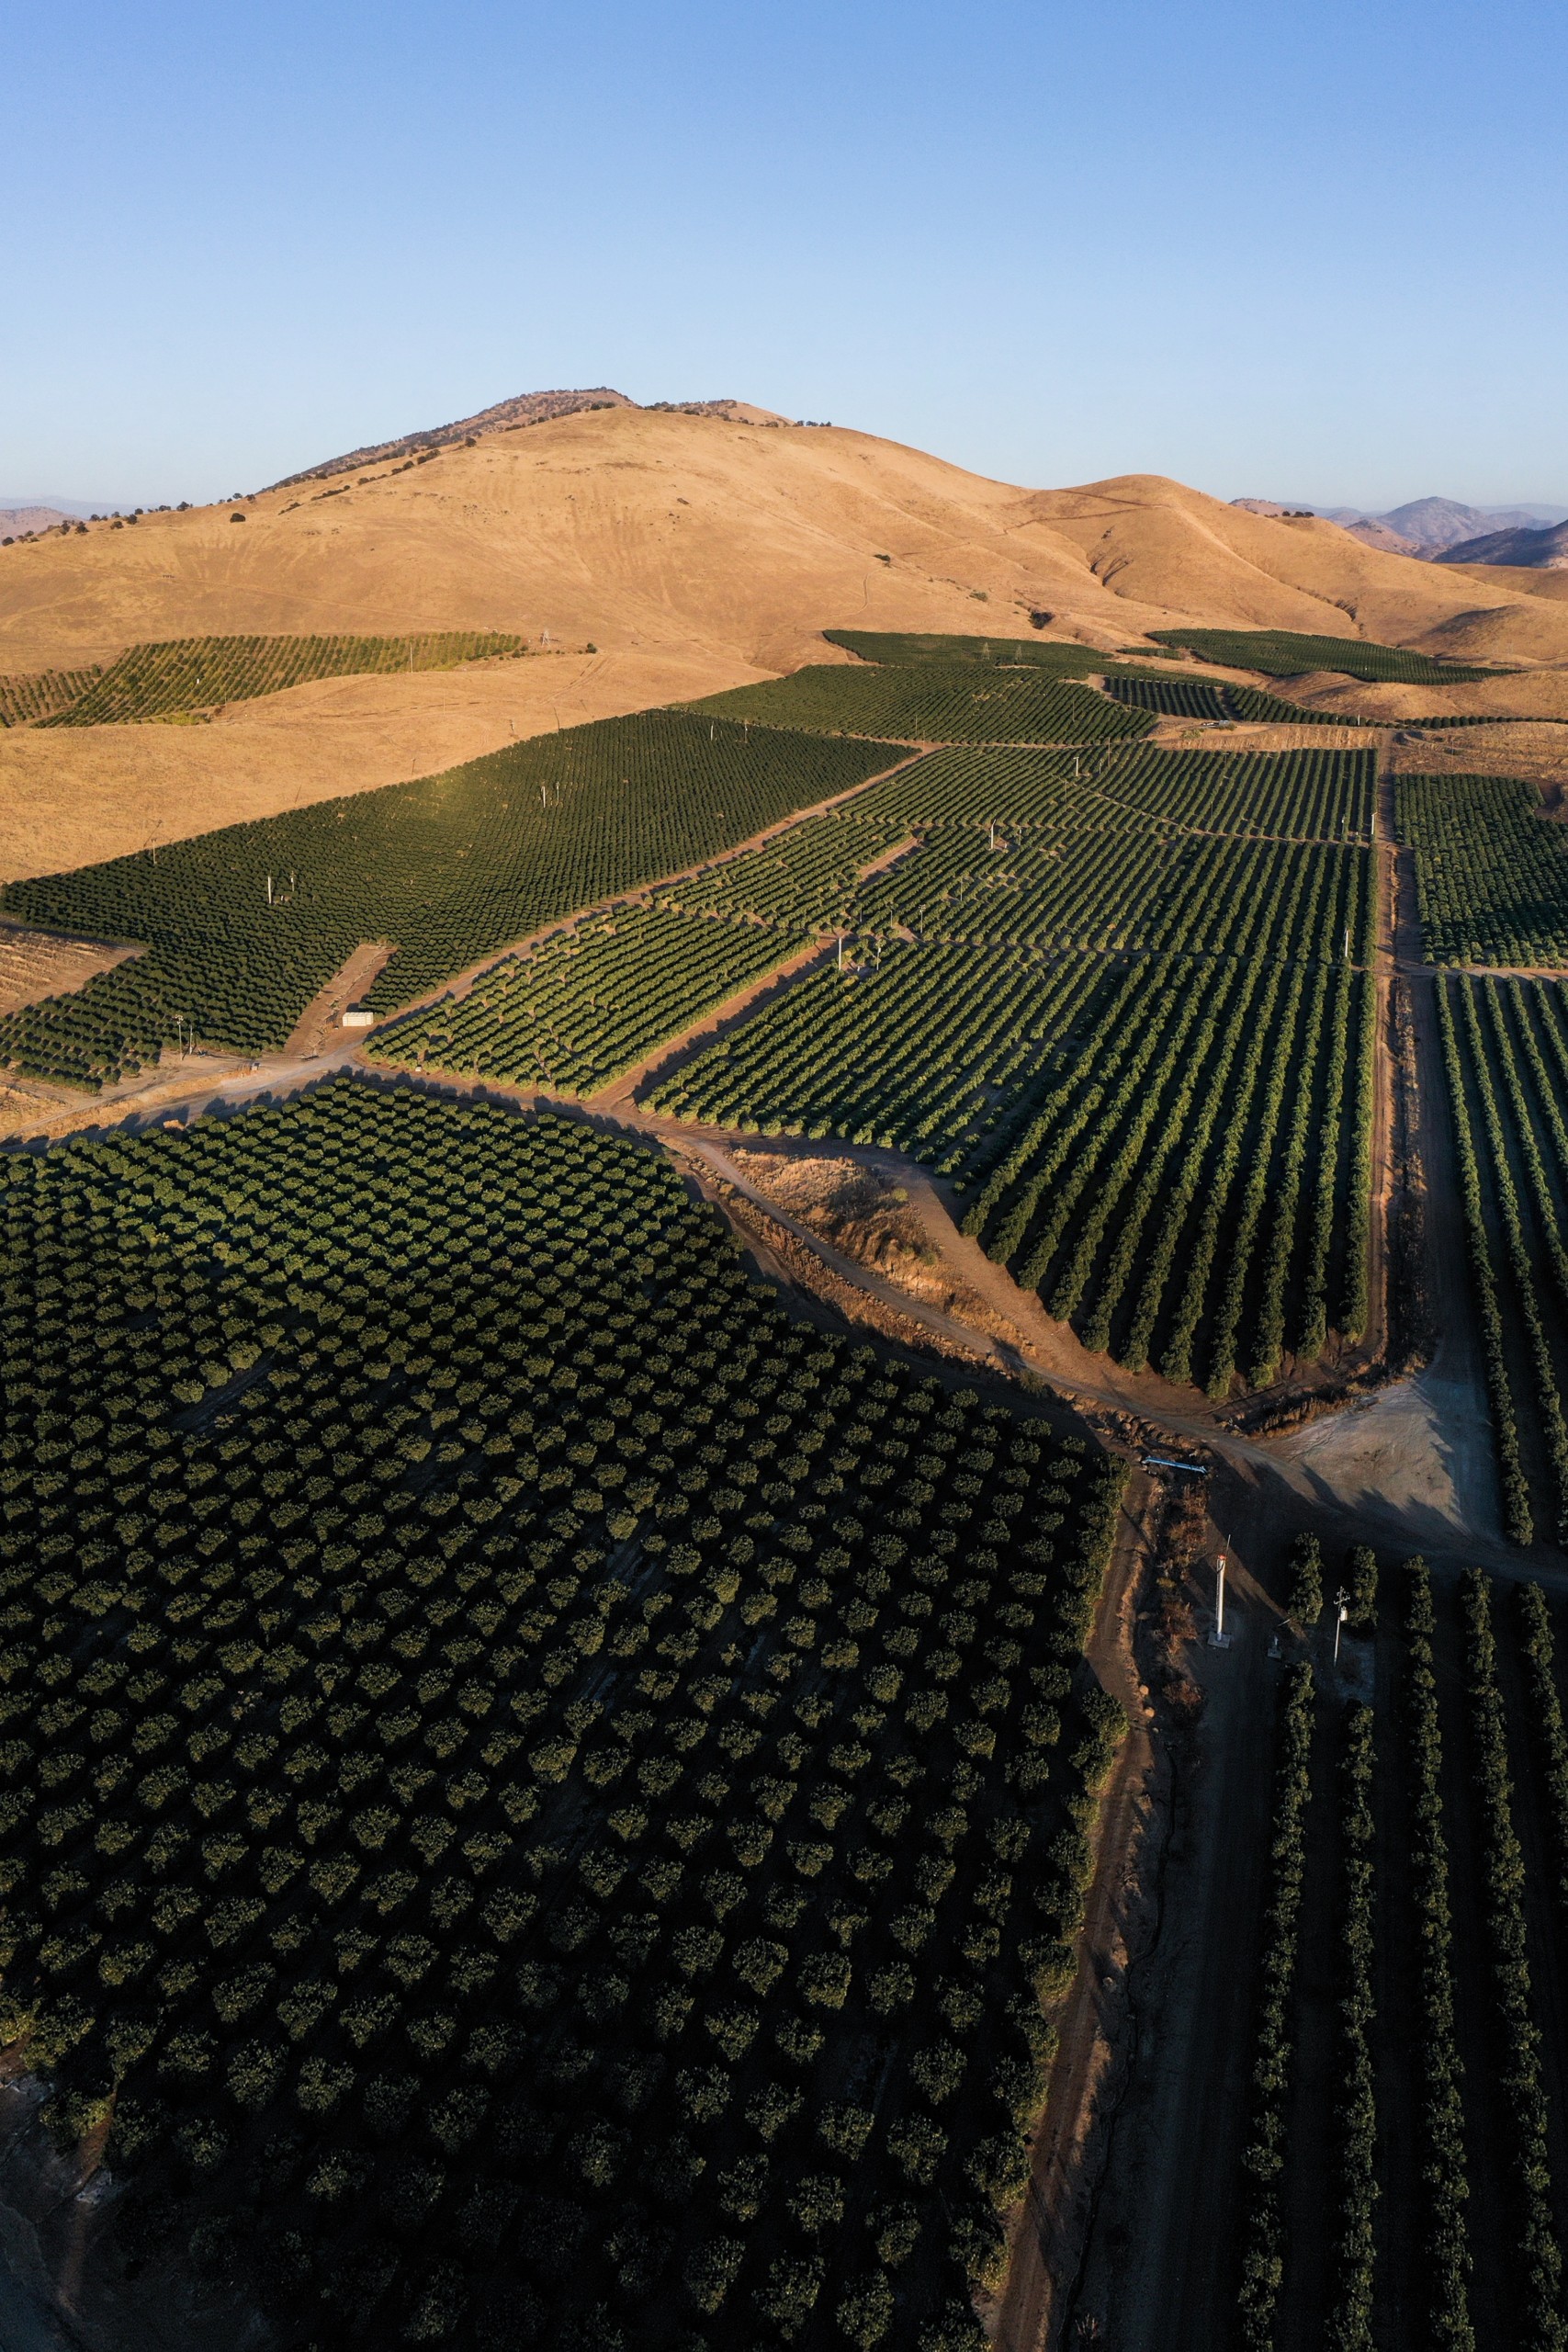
(1220, 1601)
(1340, 1612)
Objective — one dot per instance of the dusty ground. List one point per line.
(69, 797)
(861, 1210)
(1536, 751)
(321, 1021)
(36, 964)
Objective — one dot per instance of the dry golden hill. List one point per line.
(693, 551)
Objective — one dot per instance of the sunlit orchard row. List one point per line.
(1192, 1192)
(926, 703)
(540, 1800)
(186, 674)
(1216, 703)
(925, 1048)
(1505, 1055)
(1284, 653)
(245, 926)
(24, 698)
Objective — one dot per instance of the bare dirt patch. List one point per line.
(1532, 749)
(865, 1212)
(322, 1017)
(38, 964)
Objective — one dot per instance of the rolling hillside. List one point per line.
(691, 552)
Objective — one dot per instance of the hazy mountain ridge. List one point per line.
(1428, 528)
(15, 520)
(1529, 547)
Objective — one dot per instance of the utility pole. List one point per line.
(1219, 1639)
(1341, 1610)
(269, 889)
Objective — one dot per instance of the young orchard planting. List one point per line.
(191, 673)
(1491, 870)
(242, 927)
(540, 1800)
(26, 698)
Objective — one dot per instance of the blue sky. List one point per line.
(1301, 251)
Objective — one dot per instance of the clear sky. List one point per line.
(1313, 249)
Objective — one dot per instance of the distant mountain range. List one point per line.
(43, 511)
(1528, 547)
(1443, 530)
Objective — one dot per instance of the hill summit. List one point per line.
(508, 416)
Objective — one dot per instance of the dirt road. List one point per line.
(1092, 2042)
(1158, 2269)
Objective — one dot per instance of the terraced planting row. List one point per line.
(1491, 870)
(187, 673)
(965, 703)
(540, 1800)
(582, 1008)
(243, 926)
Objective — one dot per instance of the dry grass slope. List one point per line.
(694, 552)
